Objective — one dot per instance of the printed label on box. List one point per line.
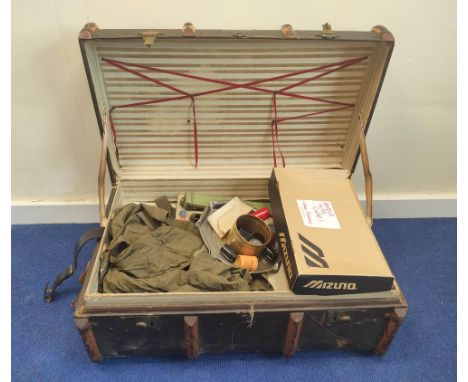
(318, 214)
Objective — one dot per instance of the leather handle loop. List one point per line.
(366, 169)
(101, 178)
(93, 233)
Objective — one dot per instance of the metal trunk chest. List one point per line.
(213, 111)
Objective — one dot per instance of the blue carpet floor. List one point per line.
(422, 253)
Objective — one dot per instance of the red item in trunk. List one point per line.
(262, 213)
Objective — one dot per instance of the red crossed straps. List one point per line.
(326, 69)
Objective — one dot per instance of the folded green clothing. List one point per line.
(198, 201)
(150, 251)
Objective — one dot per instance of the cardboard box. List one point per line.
(327, 246)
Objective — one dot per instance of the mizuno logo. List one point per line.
(313, 255)
(284, 248)
(320, 284)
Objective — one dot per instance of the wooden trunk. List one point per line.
(149, 150)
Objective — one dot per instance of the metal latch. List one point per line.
(149, 37)
(327, 32)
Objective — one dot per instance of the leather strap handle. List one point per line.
(366, 169)
(93, 233)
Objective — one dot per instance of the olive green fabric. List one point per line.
(150, 251)
(198, 201)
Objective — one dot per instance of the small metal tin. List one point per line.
(252, 226)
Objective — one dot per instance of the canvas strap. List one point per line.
(323, 70)
(93, 233)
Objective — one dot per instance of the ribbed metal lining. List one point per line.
(234, 127)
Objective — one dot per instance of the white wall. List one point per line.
(55, 151)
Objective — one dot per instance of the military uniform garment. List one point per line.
(150, 251)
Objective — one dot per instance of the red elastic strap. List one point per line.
(273, 143)
(114, 132)
(195, 132)
(231, 86)
(145, 77)
(276, 130)
(223, 82)
(339, 67)
(314, 113)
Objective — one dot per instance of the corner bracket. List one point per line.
(88, 30)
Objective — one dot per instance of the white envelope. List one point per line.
(223, 219)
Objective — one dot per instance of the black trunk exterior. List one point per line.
(163, 335)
